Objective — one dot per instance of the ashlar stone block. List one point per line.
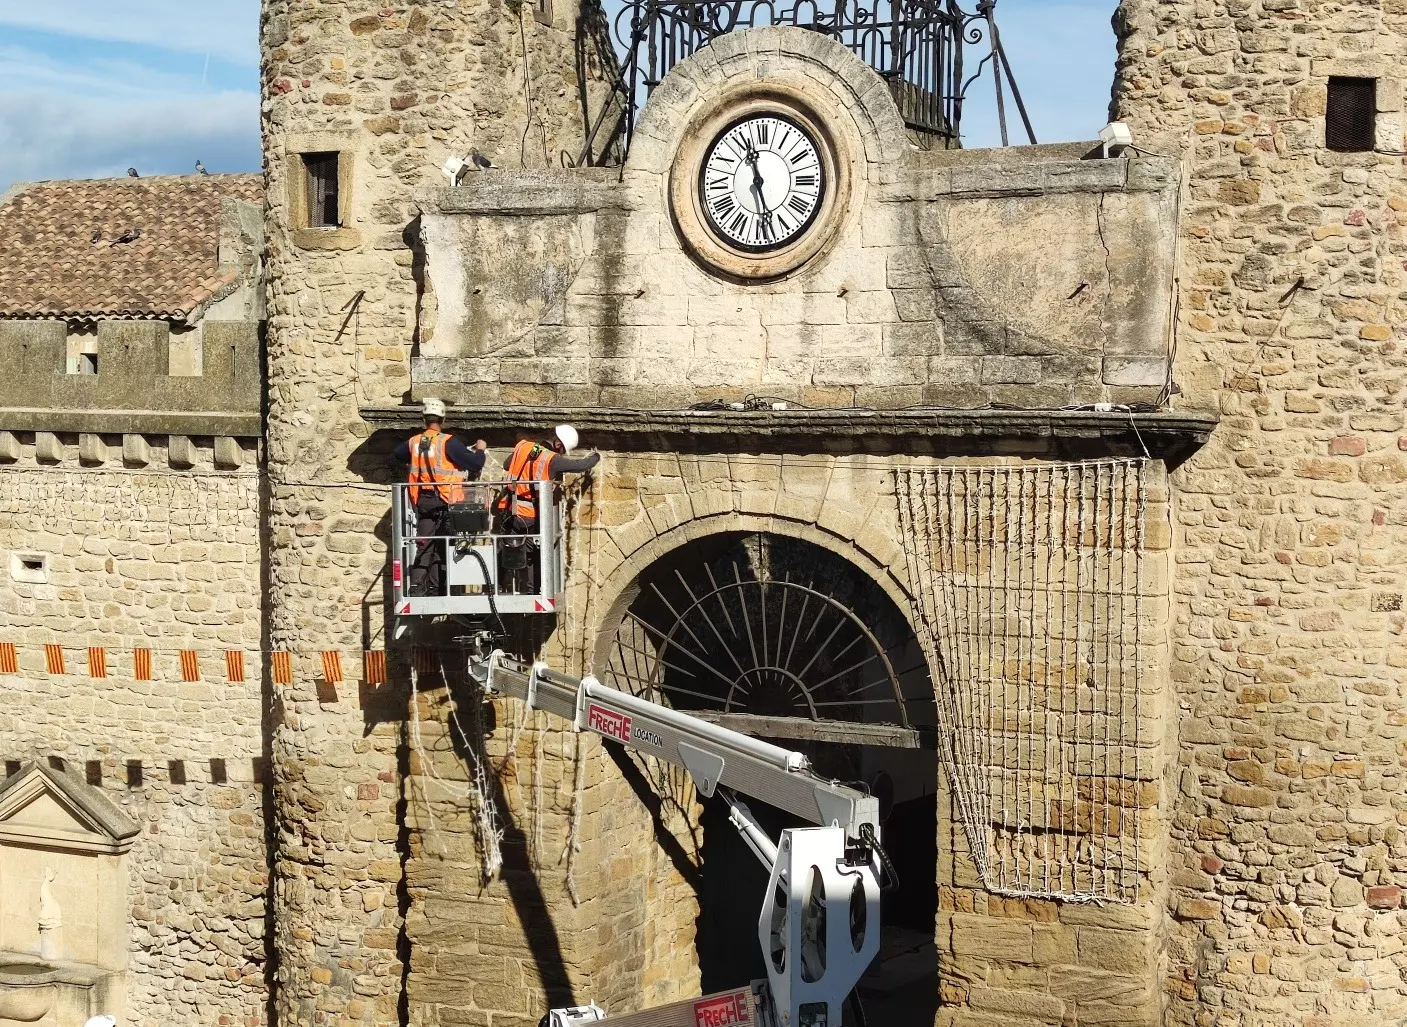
(47, 447)
(181, 452)
(9, 447)
(228, 454)
(135, 450)
(92, 449)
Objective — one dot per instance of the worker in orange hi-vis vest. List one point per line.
(440, 464)
(515, 510)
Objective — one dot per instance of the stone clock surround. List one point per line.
(828, 125)
(955, 279)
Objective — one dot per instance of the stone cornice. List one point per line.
(529, 192)
(1166, 435)
(144, 422)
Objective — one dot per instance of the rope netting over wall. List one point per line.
(1029, 584)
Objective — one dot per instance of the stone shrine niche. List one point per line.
(63, 899)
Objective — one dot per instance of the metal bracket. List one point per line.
(583, 701)
(485, 677)
(704, 767)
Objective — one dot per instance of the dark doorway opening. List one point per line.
(786, 640)
(901, 986)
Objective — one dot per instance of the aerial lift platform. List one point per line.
(820, 922)
(488, 571)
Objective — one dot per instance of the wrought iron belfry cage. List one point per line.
(922, 48)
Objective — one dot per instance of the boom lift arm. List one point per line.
(819, 927)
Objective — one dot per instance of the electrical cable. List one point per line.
(891, 875)
(853, 1001)
(528, 103)
(490, 590)
(1150, 153)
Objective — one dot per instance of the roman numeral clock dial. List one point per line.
(762, 182)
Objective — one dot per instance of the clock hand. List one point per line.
(751, 158)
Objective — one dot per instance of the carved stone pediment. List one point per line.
(49, 808)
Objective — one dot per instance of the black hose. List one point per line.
(489, 590)
(891, 876)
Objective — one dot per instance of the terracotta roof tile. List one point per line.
(50, 265)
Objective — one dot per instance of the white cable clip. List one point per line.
(533, 671)
(489, 666)
(583, 696)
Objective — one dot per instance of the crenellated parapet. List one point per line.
(131, 388)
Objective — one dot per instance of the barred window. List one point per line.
(1349, 119)
(322, 190)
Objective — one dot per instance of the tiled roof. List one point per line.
(53, 262)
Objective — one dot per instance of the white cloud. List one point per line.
(43, 135)
(23, 69)
(226, 29)
(66, 119)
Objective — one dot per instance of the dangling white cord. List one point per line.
(588, 659)
(427, 769)
(485, 817)
(475, 792)
(574, 834)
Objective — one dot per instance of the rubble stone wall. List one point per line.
(1050, 960)
(165, 560)
(385, 911)
(394, 90)
(1288, 856)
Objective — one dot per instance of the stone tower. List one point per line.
(1287, 844)
(362, 105)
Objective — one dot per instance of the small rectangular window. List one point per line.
(29, 567)
(1350, 119)
(322, 190)
(542, 12)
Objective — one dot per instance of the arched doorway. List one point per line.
(784, 639)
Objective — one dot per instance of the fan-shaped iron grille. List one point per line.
(775, 637)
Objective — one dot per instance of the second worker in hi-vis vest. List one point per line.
(515, 511)
(440, 464)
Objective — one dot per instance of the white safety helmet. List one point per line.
(104, 1020)
(567, 435)
(434, 407)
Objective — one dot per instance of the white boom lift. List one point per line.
(819, 927)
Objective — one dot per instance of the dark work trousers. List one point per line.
(517, 558)
(427, 572)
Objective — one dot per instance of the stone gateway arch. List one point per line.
(1053, 494)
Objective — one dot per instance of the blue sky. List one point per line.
(91, 87)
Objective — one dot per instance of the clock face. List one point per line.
(762, 182)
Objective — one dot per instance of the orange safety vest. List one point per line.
(529, 462)
(432, 469)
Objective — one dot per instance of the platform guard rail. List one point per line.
(487, 568)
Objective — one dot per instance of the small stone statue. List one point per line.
(50, 917)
